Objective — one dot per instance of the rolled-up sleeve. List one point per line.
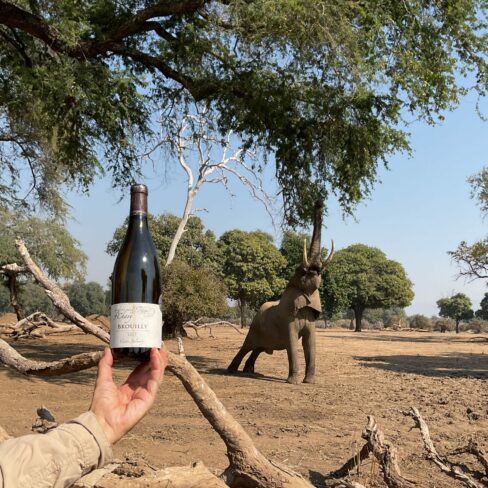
(56, 459)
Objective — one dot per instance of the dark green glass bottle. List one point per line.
(136, 320)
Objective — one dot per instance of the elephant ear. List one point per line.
(315, 302)
(294, 300)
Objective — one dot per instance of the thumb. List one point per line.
(105, 367)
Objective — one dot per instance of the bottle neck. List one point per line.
(138, 204)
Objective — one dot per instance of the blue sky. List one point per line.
(420, 210)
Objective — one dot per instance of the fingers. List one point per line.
(105, 367)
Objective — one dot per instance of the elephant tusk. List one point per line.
(329, 257)
(305, 258)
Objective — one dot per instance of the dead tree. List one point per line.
(195, 135)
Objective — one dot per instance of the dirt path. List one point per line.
(312, 428)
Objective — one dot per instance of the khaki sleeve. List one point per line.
(56, 459)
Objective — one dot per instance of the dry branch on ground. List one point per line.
(384, 452)
(443, 463)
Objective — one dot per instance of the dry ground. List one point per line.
(311, 428)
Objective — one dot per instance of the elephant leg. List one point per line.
(234, 365)
(292, 351)
(251, 360)
(308, 343)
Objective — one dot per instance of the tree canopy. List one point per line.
(458, 307)
(252, 267)
(320, 86)
(361, 277)
(482, 312)
(48, 241)
(191, 293)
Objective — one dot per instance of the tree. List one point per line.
(292, 250)
(206, 158)
(87, 298)
(252, 268)
(323, 98)
(361, 277)
(50, 242)
(457, 307)
(197, 246)
(473, 259)
(190, 293)
(482, 312)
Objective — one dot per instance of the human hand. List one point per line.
(119, 409)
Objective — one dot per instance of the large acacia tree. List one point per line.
(361, 277)
(321, 86)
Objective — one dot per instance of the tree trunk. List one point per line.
(358, 315)
(12, 286)
(457, 326)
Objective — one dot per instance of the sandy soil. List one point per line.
(311, 428)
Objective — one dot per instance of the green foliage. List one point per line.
(420, 322)
(252, 266)
(319, 85)
(386, 316)
(457, 307)
(34, 299)
(361, 277)
(87, 298)
(197, 246)
(4, 300)
(50, 244)
(292, 250)
(190, 293)
(482, 312)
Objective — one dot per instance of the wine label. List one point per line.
(135, 325)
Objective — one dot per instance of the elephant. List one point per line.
(279, 324)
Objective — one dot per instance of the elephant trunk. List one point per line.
(316, 236)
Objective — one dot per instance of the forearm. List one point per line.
(56, 459)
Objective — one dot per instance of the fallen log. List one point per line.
(194, 476)
(10, 357)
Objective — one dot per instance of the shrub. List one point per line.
(419, 321)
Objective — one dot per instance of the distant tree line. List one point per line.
(228, 277)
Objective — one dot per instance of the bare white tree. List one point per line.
(207, 157)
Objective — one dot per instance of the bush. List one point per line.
(477, 326)
(420, 322)
(444, 325)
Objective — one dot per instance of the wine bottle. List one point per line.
(136, 320)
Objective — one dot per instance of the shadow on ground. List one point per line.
(455, 365)
(440, 338)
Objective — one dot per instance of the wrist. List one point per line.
(106, 428)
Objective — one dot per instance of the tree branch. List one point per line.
(58, 297)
